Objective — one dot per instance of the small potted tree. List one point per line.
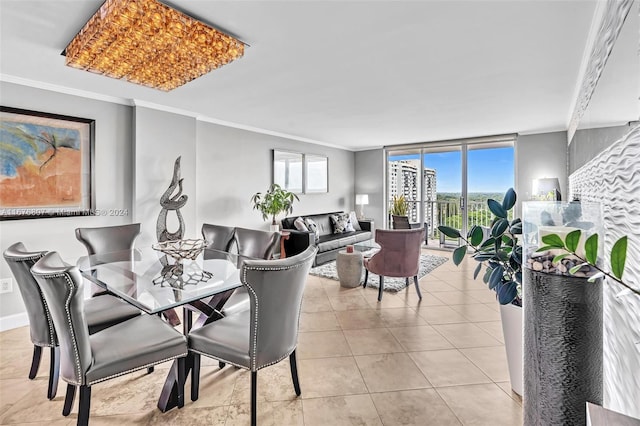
(501, 255)
(398, 212)
(274, 202)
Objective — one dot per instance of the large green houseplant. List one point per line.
(274, 202)
(500, 253)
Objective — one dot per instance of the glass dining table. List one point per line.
(156, 284)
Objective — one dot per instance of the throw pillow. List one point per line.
(354, 222)
(300, 225)
(340, 222)
(313, 227)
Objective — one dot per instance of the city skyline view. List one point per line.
(490, 170)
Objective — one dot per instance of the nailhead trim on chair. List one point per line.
(66, 308)
(255, 320)
(52, 343)
(136, 369)
(208, 355)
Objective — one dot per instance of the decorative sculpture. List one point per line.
(172, 202)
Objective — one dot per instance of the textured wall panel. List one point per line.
(612, 178)
(612, 21)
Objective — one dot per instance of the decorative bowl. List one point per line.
(181, 249)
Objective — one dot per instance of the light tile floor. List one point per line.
(399, 362)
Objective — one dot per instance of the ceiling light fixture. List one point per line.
(149, 43)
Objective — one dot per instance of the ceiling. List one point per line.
(352, 74)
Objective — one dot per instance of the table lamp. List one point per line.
(361, 200)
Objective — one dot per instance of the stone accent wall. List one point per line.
(612, 178)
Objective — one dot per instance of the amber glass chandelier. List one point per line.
(149, 43)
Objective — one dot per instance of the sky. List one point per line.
(490, 170)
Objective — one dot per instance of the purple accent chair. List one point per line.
(399, 256)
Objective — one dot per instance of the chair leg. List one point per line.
(182, 369)
(195, 377)
(254, 397)
(68, 400)
(294, 372)
(381, 288)
(150, 370)
(406, 282)
(85, 405)
(35, 361)
(221, 365)
(366, 277)
(54, 370)
(415, 281)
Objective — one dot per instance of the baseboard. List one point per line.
(13, 321)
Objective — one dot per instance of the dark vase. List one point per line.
(562, 348)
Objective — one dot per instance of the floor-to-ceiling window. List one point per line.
(448, 183)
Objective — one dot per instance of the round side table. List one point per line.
(349, 266)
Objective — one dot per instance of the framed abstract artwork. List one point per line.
(46, 165)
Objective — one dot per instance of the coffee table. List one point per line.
(367, 245)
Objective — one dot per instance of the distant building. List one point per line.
(404, 179)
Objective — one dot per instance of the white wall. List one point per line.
(234, 164)
(160, 137)
(113, 174)
(538, 156)
(369, 179)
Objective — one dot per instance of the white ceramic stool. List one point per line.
(349, 266)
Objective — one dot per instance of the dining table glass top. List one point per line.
(155, 282)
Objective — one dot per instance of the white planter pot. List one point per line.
(274, 228)
(512, 330)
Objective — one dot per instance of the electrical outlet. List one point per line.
(6, 285)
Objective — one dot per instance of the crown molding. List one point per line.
(151, 105)
(269, 132)
(63, 89)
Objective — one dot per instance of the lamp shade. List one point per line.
(362, 199)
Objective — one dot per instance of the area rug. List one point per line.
(428, 263)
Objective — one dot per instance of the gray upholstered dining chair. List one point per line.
(399, 256)
(85, 360)
(254, 244)
(108, 239)
(100, 312)
(266, 333)
(218, 237)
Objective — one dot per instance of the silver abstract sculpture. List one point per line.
(172, 202)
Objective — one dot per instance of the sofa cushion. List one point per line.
(300, 224)
(338, 241)
(354, 221)
(312, 226)
(323, 222)
(341, 223)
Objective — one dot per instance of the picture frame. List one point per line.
(287, 170)
(316, 170)
(46, 165)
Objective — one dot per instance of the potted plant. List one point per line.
(274, 202)
(501, 256)
(398, 210)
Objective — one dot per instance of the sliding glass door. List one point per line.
(450, 184)
(442, 198)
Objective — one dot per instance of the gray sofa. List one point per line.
(328, 243)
